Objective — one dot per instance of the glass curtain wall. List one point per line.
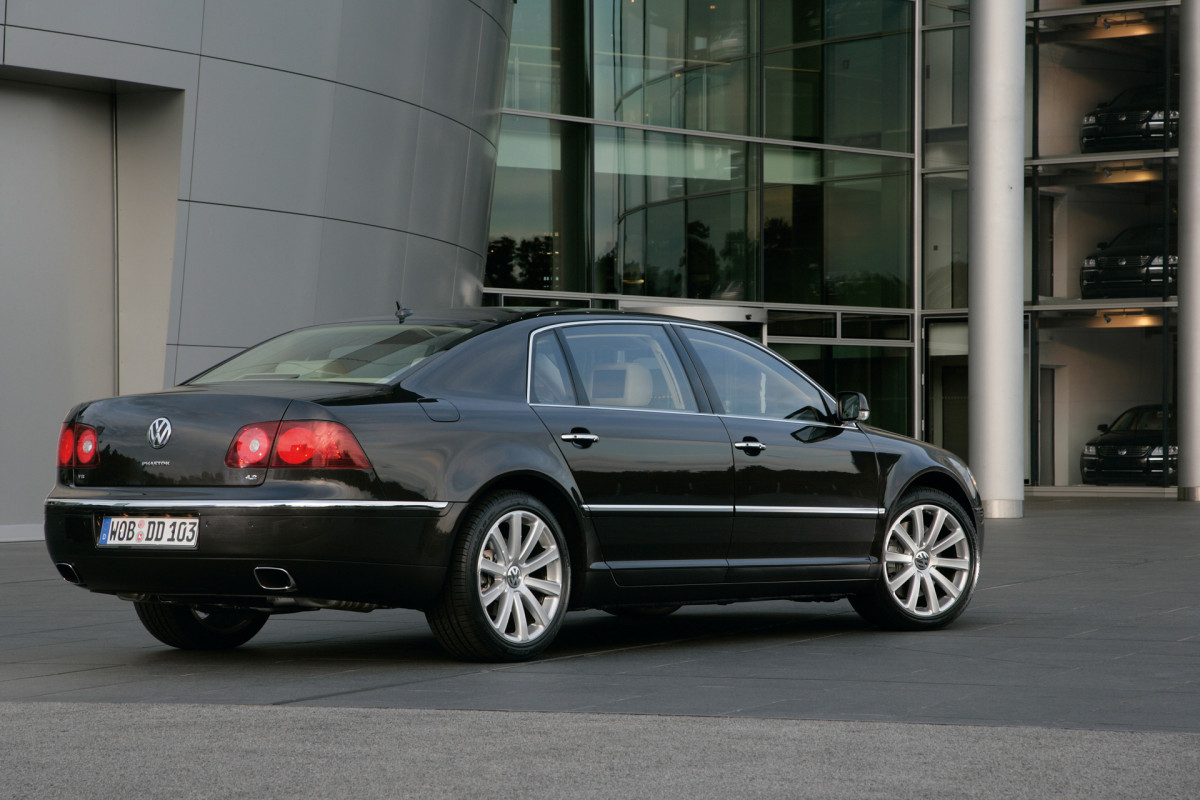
(945, 38)
(1099, 251)
(740, 151)
(1101, 262)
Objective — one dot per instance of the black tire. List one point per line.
(642, 612)
(497, 604)
(191, 628)
(929, 565)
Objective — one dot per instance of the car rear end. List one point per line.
(257, 495)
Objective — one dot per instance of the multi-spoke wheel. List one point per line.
(199, 628)
(930, 565)
(509, 582)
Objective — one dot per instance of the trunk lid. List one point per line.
(136, 448)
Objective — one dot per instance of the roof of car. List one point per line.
(498, 315)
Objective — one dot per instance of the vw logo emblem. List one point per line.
(159, 433)
(513, 576)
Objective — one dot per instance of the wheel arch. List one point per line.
(943, 482)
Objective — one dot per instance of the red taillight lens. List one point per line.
(250, 447)
(66, 445)
(304, 444)
(318, 444)
(78, 446)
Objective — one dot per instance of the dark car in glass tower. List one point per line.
(1130, 450)
(1134, 264)
(495, 468)
(1139, 118)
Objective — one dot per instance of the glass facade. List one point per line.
(1100, 247)
(808, 159)
(1101, 254)
(737, 152)
(838, 73)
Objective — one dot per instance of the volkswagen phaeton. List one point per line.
(496, 468)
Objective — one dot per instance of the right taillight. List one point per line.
(296, 444)
(78, 446)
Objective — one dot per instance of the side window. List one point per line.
(750, 383)
(549, 378)
(629, 366)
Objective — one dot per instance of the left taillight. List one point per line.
(296, 444)
(78, 446)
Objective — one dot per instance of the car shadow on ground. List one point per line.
(293, 640)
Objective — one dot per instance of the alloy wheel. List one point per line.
(927, 561)
(520, 576)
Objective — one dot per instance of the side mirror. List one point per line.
(1102, 428)
(1101, 245)
(852, 407)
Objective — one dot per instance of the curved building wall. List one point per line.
(335, 157)
(270, 163)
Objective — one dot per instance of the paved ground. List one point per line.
(1075, 673)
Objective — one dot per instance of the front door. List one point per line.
(806, 487)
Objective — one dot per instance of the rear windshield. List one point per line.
(350, 353)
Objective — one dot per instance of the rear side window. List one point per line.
(618, 365)
(550, 378)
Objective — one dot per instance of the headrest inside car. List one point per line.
(621, 385)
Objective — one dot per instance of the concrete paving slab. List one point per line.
(1075, 672)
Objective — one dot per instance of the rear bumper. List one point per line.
(388, 554)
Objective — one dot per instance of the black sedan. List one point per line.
(1131, 449)
(1140, 261)
(1139, 118)
(496, 468)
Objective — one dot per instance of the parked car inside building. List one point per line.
(1130, 450)
(1131, 265)
(1139, 118)
(495, 468)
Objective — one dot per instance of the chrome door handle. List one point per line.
(750, 447)
(580, 439)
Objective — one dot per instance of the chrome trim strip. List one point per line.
(184, 503)
(658, 509)
(817, 511)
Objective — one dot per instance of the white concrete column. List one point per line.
(996, 194)
(1188, 409)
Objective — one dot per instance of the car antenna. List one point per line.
(402, 313)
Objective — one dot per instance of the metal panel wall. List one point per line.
(333, 157)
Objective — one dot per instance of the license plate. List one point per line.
(150, 532)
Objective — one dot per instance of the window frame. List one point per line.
(682, 372)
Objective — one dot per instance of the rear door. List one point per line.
(655, 472)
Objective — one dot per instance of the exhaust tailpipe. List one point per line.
(275, 579)
(68, 572)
